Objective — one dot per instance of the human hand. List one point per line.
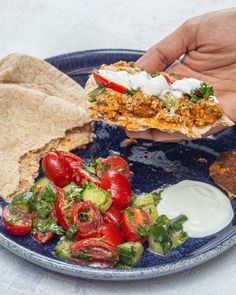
(208, 43)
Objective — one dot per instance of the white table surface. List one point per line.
(46, 28)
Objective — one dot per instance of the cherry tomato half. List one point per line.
(134, 224)
(110, 234)
(169, 79)
(80, 175)
(118, 186)
(16, 222)
(57, 169)
(114, 163)
(112, 216)
(64, 208)
(87, 216)
(94, 250)
(109, 84)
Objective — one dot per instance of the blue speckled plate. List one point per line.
(164, 163)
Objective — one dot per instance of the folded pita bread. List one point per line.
(40, 108)
(137, 123)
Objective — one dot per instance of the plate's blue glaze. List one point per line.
(153, 164)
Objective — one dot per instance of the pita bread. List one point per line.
(29, 162)
(134, 123)
(39, 106)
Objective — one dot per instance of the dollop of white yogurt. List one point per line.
(207, 208)
(157, 86)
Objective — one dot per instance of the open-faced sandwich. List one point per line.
(124, 95)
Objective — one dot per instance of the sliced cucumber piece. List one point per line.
(152, 211)
(70, 187)
(41, 183)
(62, 249)
(24, 201)
(155, 246)
(146, 199)
(130, 253)
(142, 200)
(98, 196)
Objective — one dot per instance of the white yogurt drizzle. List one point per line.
(207, 208)
(157, 86)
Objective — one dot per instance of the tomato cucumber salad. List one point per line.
(100, 222)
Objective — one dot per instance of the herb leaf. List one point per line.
(47, 225)
(97, 91)
(24, 201)
(46, 201)
(71, 231)
(203, 91)
(155, 74)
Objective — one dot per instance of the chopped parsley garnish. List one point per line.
(46, 201)
(83, 215)
(130, 215)
(72, 193)
(47, 225)
(71, 231)
(131, 92)
(204, 91)
(113, 258)
(156, 196)
(168, 233)
(155, 74)
(24, 201)
(142, 231)
(14, 215)
(96, 162)
(126, 255)
(98, 91)
(83, 255)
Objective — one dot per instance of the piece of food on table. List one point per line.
(42, 108)
(223, 172)
(98, 223)
(124, 95)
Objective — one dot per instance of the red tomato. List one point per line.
(87, 216)
(118, 186)
(57, 169)
(112, 216)
(80, 174)
(114, 163)
(72, 159)
(132, 222)
(64, 209)
(79, 236)
(42, 237)
(110, 234)
(93, 263)
(169, 79)
(109, 84)
(16, 222)
(94, 250)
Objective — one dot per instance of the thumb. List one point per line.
(164, 53)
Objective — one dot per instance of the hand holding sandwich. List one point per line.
(203, 47)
